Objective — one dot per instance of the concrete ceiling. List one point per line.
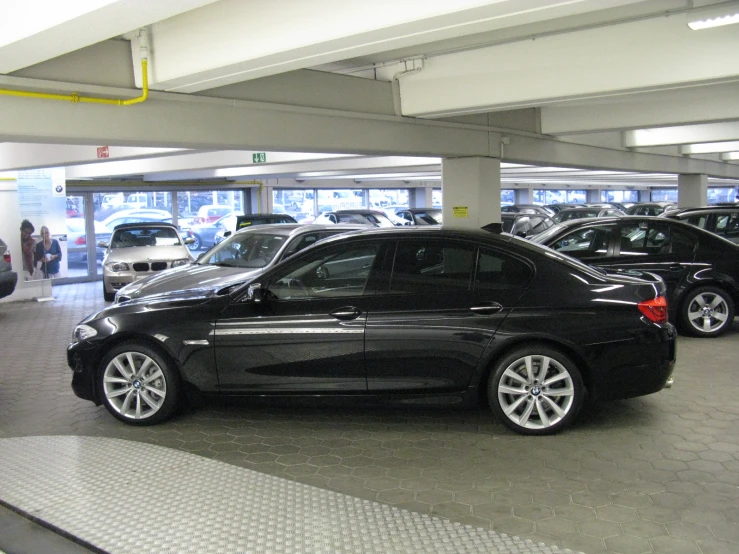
(564, 91)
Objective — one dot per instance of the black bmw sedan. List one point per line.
(415, 315)
(700, 269)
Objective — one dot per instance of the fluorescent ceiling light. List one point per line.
(710, 148)
(717, 16)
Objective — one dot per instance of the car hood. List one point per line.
(149, 253)
(190, 277)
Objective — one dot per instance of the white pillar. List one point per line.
(594, 195)
(470, 192)
(692, 190)
(421, 197)
(524, 196)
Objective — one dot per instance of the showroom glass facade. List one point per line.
(95, 214)
(553, 196)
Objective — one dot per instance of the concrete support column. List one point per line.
(421, 197)
(594, 195)
(260, 200)
(692, 190)
(470, 191)
(524, 196)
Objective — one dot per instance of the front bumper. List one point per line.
(83, 374)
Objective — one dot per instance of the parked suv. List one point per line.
(8, 277)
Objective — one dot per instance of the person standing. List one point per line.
(27, 249)
(49, 253)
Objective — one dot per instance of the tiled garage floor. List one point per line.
(655, 474)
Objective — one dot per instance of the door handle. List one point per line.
(487, 308)
(675, 267)
(350, 312)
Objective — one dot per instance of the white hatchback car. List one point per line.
(137, 250)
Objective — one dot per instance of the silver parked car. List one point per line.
(8, 277)
(240, 256)
(137, 250)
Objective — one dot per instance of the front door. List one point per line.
(305, 332)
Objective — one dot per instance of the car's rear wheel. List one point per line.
(138, 385)
(198, 244)
(108, 296)
(535, 390)
(707, 312)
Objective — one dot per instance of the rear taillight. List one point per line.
(79, 241)
(655, 309)
(6, 257)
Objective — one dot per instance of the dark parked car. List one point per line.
(525, 224)
(556, 208)
(8, 277)
(527, 208)
(246, 253)
(721, 220)
(419, 216)
(582, 213)
(650, 208)
(701, 270)
(359, 217)
(419, 315)
(233, 223)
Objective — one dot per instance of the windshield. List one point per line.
(145, 236)
(429, 217)
(245, 250)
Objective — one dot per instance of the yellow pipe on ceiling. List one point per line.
(75, 98)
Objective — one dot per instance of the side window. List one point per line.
(642, 239)
(683, 244)
(428, 266)
(299, 243)
(697, 220)
(341, 270)
(728, 226)
(591, 242)
(500, 271)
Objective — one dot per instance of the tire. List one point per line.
(108, 296)
(146, 396)
(707, 312)
(519, 400)
(197, 245)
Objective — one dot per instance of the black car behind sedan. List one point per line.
(419, 315)
(700, 269)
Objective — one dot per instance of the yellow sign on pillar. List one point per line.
(460, 211)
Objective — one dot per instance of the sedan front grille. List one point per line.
(141, 266)
(158, 266)
(155, 266)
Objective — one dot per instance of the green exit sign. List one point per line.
(259, 157)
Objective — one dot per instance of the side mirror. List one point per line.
(227, 234)
(103, 244)
(189, 240)
(255, 293)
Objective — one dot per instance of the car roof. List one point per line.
(709, 209)
(289, 229)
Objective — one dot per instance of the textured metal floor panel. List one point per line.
(123, 496)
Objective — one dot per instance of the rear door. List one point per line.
(441, 306)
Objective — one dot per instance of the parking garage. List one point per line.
(374, 116)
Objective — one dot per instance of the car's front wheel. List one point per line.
(197, 245)
(535, 390)
(138, 385)
(707, 312)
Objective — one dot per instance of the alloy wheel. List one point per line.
(134, 385)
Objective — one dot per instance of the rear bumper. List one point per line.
(8, 280)
(640, 368)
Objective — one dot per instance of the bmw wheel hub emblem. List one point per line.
(535, 390)
(137, 384)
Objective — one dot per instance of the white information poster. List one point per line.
(42, 195)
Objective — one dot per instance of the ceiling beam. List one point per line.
(277, 38)
(698, 104)
(709, 148)
(730, 156)
(683, 134)
(602, 61)
(34, 31)
(15, 156)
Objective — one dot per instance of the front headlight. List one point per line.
(178, 263)
(83, 332)
(117, 266)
